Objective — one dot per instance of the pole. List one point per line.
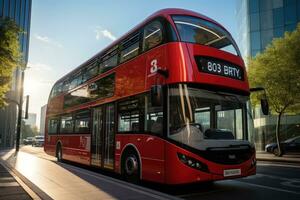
(19, 122)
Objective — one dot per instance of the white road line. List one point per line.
(278, 165)
(270, 188)
(9, 184)
(128, 186)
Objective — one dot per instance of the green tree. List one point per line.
(10, 56)
(277, 69)
(28, 131)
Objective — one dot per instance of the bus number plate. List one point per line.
(232, 172)
(219, 67)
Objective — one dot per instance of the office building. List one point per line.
(259, 21)
(20, 12)
(43, 119)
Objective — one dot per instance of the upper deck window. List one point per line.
(130, 48)
(152, 35)
(199, 31)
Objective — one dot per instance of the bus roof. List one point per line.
(164, 13)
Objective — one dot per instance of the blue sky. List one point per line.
(65, 33)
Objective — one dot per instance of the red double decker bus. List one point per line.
(167, 102)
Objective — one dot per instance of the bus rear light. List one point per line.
(193, 163)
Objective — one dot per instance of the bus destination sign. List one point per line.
(219, 67)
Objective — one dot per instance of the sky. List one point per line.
(65, 33)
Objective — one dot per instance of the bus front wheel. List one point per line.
(131, 167)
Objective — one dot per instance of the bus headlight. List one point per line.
(192, 162)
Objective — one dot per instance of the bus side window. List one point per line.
(130, 47)
(66, 124)
(82, 122)
(154, 118)
(52, 126)
(153, 35)
(130, 113)
(109, 60)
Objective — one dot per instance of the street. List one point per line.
(273, 181)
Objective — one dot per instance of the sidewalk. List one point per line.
(10, 188)
(287, 158)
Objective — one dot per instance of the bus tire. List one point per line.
(131, 166)
(59, 153)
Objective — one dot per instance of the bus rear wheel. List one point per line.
(131, 167)
(59, 153)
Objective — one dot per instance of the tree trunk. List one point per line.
(278, 134)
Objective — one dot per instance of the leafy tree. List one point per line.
(10, 56)
(277, 69)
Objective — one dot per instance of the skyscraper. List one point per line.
(20, 12)
(259, 21)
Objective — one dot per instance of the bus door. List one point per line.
(103, 135)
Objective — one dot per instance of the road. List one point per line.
(272, 181)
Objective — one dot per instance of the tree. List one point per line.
(28, 131)
(277, 69)
(10, 56)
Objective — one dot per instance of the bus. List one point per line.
(168, 102)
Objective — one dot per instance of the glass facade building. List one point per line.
(259, 21)
(20, 12)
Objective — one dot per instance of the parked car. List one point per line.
(38, 141)
(28, 141)
(289, 145)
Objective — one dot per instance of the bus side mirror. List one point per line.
(156, 95)
(264, 101)
(264, 106)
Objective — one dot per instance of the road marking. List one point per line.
(270, 188)
(9, 184)
(278, 165)
(7, 179)
(128, 186)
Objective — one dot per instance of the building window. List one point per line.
(266, 20)
(12, 9)
(290, 14)
(153, 35)
(277, 4)
(278, 17)
(130, 48)
(82, 122)
(66, 124)
(266, 38)
(255, 40)
(265, 5)
(254, 22)
(52, 126)
(278, 32)
(254, 6)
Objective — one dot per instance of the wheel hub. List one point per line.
(131, 165)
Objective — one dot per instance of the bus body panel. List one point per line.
(152, 152)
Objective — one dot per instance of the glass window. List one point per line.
(254, 52)
(152, 35)
(255, 40)
(52, 126)
(82, 122)
(197, 115)
(290, 14)
(66, 85)
(66, 124)
(91, 71)
(130, 48)
(109, 60)
(290, 2)
(1, 6)
(6, 8)
(266, 20)
(298, 10)
(277, 4)
(12, 9)
(278, 32)
(254, 22)
(278, 19)
(109, 137)
(266, 38)
(18, 11)
(100, 89)
(266, 5)
(22, 16)
(290, 27)
(129, 116)
(254, 6)
(195, 30)
(154, 117)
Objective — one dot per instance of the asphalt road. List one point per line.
(272, 181)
